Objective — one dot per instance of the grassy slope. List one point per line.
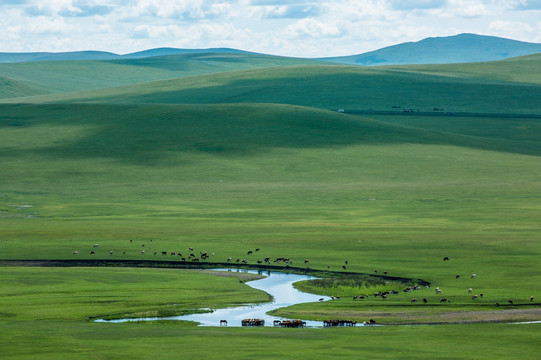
(524, 69)
(65, 76)
(10, 88)
(294, 181)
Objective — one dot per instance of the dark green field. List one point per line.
(249, 158)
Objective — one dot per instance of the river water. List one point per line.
(278, 285)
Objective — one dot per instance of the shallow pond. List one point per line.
(278, 285)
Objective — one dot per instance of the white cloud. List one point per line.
(308, 28)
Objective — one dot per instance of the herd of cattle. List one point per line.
(298, 323)
(190, 256)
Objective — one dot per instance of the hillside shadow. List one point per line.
(149, 134)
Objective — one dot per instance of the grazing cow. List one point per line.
(95, 245)
(111, 252)
(473, 276)
(385, 273)
(443, 300)
(531, 298)
(191, 249)
(306, 260)
(123, 253)
(346, 262)
(143, 252)
(92, 253)
(321, 299)
(75, 252)
(510, 302)
(457, 276)
(414, 300)
(173, 252)
(446, 258)
(249, 252)
(344, 267)
(481, 294)
(228, 259)
(155, 253)
(375, 271)
(425, 301)
(164, 252)
(257, 249)
(438, 290)
(470, 290)
(474, 297)
(223, 322)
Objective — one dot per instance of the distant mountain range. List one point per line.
(434, 50)
(103, 55)
(461, 48)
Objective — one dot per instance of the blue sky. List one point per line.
(305, 28)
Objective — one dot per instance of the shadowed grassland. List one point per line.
(328, 87)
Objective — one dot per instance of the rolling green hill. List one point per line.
(334, 87)
(524, 69)
(67, 76)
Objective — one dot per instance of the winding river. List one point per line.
(277, 284)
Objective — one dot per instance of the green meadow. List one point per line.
(238, 154)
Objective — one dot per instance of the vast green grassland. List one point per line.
(246, 159)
